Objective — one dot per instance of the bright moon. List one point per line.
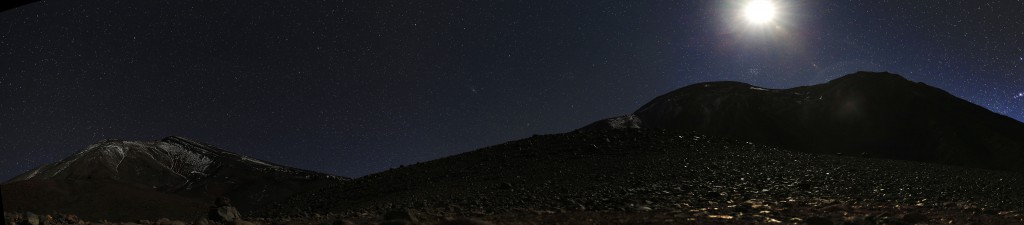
(759, 11)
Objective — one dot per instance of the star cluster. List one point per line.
(356, 87)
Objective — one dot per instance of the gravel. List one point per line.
(657, 176)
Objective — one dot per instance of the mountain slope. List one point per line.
(644, 176)
(879, 114)
(173, 177)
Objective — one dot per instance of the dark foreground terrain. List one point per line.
(663, 177)
(635, 176)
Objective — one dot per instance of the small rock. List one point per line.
(13, 217)
(743, 208)
(989, 211)
(343, 222)
(72, 219)
(465, 221)
(915, 218)
(818, 221)
(712, 194)
(397, 222)
(407, 215)
(804, 185)
(239, 221)
(165, 221)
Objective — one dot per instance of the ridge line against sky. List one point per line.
(355, 87)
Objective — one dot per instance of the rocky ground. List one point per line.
(659, 177)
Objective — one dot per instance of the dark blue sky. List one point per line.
(356, 87)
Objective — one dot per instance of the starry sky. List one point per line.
(356, 87)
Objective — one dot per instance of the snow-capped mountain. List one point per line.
(170, 163)
(875, 114)
(179, 169)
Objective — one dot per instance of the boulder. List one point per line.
(202, 221)
(222, 211)
(31, 219)
(224, 214)
(222, 201)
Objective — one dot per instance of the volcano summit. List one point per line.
(173, 177)
(865, 113)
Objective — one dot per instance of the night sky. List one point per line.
(356, 87)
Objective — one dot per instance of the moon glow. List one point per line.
(759, 11)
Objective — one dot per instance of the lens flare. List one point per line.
(759, 11)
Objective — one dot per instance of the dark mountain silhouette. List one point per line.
(651, 176)
(658, 171)
(879, 114)
(173, 177)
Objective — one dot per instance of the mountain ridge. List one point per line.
(881, 114)
(170, 171)
(716, 148)
(657, 165)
